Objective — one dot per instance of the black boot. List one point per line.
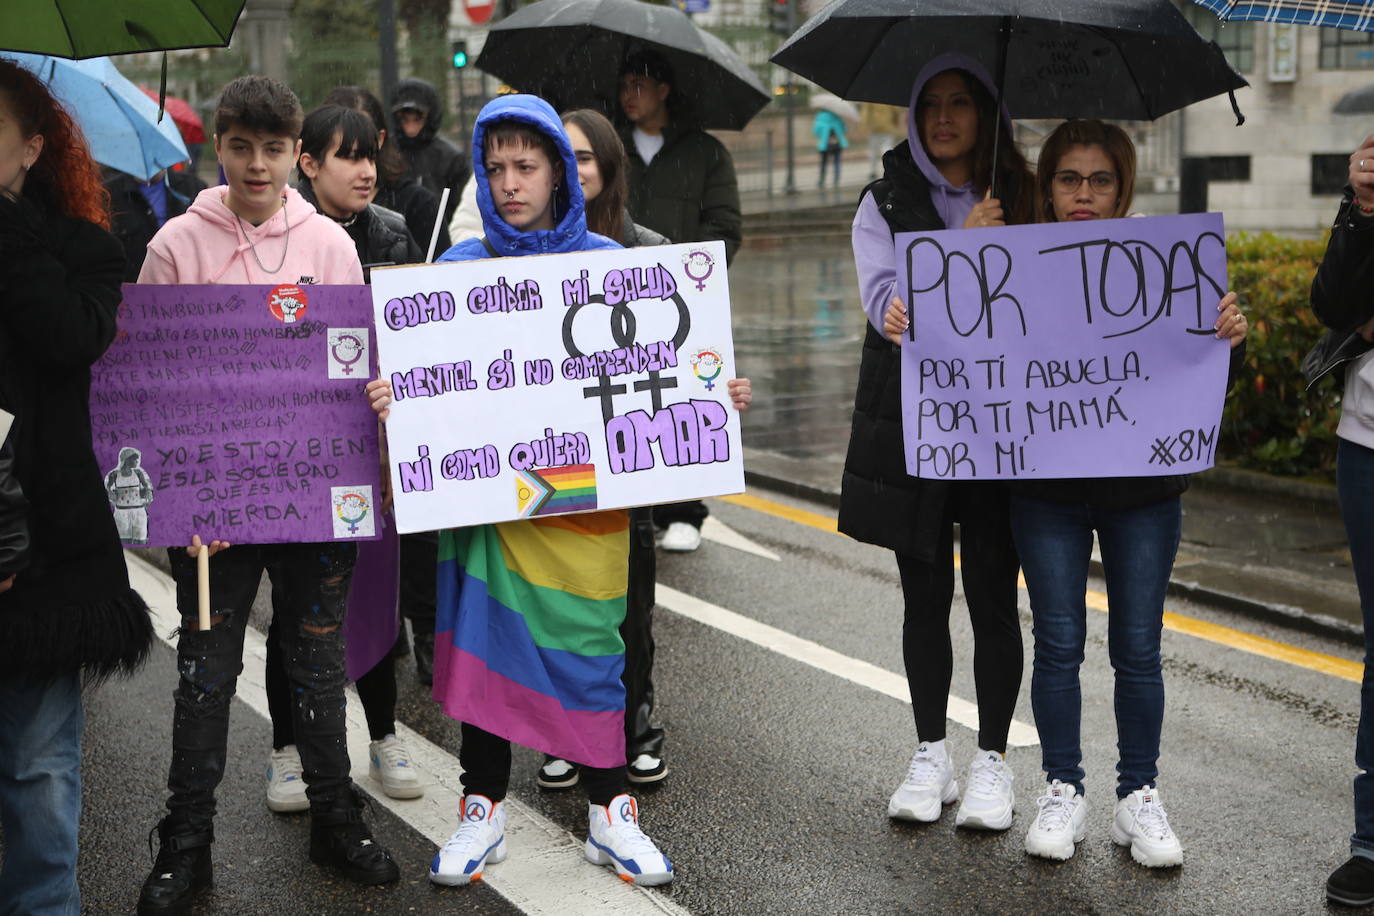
(424, 658)
(180, 870)
(340, 838)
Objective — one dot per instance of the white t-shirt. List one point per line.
(647, 145)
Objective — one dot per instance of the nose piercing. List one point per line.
(510, 195)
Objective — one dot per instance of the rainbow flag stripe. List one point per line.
(556, 491)
(528, 632)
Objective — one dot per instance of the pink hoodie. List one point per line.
(208, 244)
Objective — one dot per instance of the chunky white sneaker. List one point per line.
(646, 768)
(681, 537)
(479, 840)
(557, 773)
(1141, 824)
(988, 800)
(614, 839)
(1061, 822)
(389, 763)
(286, 782)
(929, 785)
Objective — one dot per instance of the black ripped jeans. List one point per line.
(310, 595)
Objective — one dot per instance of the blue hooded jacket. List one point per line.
(569, 232)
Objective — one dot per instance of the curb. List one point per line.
(775, 478)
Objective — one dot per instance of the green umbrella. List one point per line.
(95, 28)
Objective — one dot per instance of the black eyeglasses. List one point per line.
(1070, 181)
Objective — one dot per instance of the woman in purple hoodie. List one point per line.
(940, 178)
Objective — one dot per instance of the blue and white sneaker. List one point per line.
(614, 839)
(389, 763)
(480, 840)
(286, 782)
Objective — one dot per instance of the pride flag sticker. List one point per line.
(556, 491)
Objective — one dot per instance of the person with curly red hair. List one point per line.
(70, 615)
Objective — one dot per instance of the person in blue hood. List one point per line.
(939, 178)
(531, 203)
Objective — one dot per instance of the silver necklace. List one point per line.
(285, 247)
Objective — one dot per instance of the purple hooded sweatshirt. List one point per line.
(875, 253)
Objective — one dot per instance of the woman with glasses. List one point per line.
(1087, 171)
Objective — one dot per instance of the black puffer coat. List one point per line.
(380, 235)
(434, 161)
(72, 609)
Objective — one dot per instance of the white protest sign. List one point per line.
(551, 384)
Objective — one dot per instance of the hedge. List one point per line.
(1271, 422)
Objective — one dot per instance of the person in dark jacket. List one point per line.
(337, 169)
(1087, 171)
(396, 190)
(434, 161)
(1341, 300)
(70, 616)
(938, 179)
(138, 209)
(681, 185)
(601, 167)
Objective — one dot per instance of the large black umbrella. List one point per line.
(571, 51)
(1127, 59)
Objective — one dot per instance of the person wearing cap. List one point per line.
(435, 161)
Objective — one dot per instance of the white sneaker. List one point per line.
(988, 800)
(614, 838)
(1141, 824)
(929, 785)
(389, 763)
(286, 782)
(480, 839)
(1061, 823)
(681, 537)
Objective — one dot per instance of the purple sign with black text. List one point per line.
(237, 412)
(1063, 349)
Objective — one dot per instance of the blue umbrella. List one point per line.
(1355, 15)
(119, 121)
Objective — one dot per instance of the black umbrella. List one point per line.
(1356, 101)
(1120, 59)
(571, 52)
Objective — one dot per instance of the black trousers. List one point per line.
(989, 564)
(376, 688)
(485, 759)
(693, 512)
(310, 595)
(641, 735)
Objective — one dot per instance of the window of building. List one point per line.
(1342, 49)
(1228, 168)
(1236, 39)
(1329, 172)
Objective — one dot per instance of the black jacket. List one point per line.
(379, 235)
(420, 207)
(1341, 297)
(688, 192)
(435, 162)
(132, 219)
(72, 609)
(880, 503)
(14, 517)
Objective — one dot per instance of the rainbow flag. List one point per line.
(555, 491)
(527, 634)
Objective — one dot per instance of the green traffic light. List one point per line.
(460, 60)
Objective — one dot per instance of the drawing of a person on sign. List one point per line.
(130, 491)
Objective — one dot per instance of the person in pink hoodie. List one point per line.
(257, 230)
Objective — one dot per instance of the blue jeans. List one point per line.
(40, 796)
(1355, 484)
(1138, 547)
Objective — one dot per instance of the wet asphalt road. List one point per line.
(780, 773)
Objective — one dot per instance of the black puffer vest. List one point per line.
(879, 502)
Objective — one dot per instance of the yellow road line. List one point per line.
(1211, 632)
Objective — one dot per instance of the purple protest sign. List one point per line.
(1063, 349)
(237, 412)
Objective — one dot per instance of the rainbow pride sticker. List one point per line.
(556, 491)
